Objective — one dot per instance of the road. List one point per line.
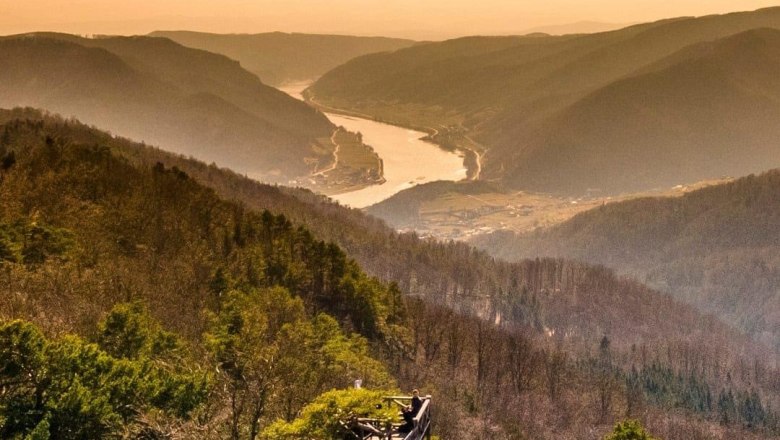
(432, 132)
(335, 155)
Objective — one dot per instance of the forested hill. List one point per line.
(705, 112)
(238, 304)
(247, 300)
(279, 58)
(716, 248)
(592, 112)
(152, 89)
(454, 274)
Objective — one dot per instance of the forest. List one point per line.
(715, 248)
(247, 308)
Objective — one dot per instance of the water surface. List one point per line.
(408, 160)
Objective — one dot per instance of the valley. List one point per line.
(283, 220)
(648, 106)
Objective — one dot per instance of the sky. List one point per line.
(418, 19)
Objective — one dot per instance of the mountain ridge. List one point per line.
(280, 57)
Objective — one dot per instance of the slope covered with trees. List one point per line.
(152, 89)
(705, 112)
(579, 112)
(716, 248)
(99, 229)
(67, 387)
(449, 273)
(279, 58)
(248, 299)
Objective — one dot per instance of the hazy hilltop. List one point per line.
(279, 58)
(152, 89)
(199, 71)
(580, 27)
(716, 248)
(612, 111)
(89, 222)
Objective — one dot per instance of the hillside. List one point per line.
(198, 71)
(190, 310)
(151, 89)
(403, 209)
(506, 95)
(90, 221)
(280, 58)
(716, 248)
(488, 288)
(705, 112)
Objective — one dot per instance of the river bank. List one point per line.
(408, 156)
(442, 137)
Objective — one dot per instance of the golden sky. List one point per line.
(420, 19)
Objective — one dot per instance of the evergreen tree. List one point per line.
(629, 430)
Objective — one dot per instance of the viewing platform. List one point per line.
(420, 428)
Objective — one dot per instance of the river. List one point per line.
(408, 160)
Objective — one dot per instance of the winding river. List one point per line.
(408, 160)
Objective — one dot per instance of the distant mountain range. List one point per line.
(717, 248)
(152, 89)
(643, 107)
(279, 58)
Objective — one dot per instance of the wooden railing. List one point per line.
(421, 422)
(367, 428)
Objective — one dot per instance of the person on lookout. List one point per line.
(410, 411)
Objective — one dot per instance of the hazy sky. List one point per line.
(408, 18)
